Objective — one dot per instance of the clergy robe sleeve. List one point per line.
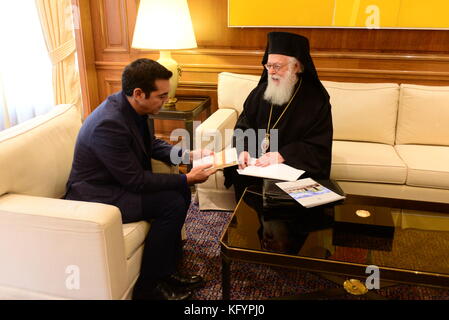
(239, 141)
(246, 121)
(313, 152)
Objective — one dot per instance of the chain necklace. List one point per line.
(266, 140)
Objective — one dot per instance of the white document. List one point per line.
(278, 171)
(309, 193)
(219, 160)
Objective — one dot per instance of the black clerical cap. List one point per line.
(293, 45)
(288, 44)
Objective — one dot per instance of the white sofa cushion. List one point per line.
(423, 115)
(45, 142)
(366, 162)
(134, 234)
(234, 88)
(364, 111)
(428, 166)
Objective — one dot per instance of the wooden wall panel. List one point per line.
(86, 55)
(112, 85)
(114, 26)
(358, 55)
(110, 21)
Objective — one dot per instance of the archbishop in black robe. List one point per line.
(304, 131)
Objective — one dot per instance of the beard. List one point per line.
(280, 93)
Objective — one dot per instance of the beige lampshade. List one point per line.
(164, 25)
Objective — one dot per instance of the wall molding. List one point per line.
(330, 66)
(315, 54)
(200, 68)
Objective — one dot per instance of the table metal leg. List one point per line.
(189, 128)
(225, 277)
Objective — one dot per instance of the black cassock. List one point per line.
(304, 132)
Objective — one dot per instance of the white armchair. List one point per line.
(51, 248)
(216, 133)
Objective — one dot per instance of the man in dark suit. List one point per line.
(112, 165)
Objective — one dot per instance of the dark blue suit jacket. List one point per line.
(111, 163)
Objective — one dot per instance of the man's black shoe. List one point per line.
(162, 291)
(185, 281)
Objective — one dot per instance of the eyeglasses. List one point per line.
(276, 67)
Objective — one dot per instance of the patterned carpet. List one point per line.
(252, 281)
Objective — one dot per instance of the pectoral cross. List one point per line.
(265, 143)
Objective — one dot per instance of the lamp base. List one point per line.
(171, 102)
(168, 62)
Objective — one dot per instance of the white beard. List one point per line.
(279, 94)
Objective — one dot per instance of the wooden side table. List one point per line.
(187, 108)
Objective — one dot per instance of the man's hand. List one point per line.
(199, 174)
(244, 159)
(200, 153)
(269, 158)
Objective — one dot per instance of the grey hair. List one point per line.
(293, 60)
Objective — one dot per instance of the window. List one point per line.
(25, 68)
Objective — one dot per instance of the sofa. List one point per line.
(390, 140)
(52, 248)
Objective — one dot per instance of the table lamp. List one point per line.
(165, 25)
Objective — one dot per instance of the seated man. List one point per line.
(112, 165)
(292, 107)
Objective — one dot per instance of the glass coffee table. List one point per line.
(358, 239)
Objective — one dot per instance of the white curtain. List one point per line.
(58, 30)
(25, 69)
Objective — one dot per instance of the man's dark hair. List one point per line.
(142, 73)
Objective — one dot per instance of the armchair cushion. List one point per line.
(134, 234)
(234, 88)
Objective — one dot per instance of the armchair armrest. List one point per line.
(215, 132)
(57, 248)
